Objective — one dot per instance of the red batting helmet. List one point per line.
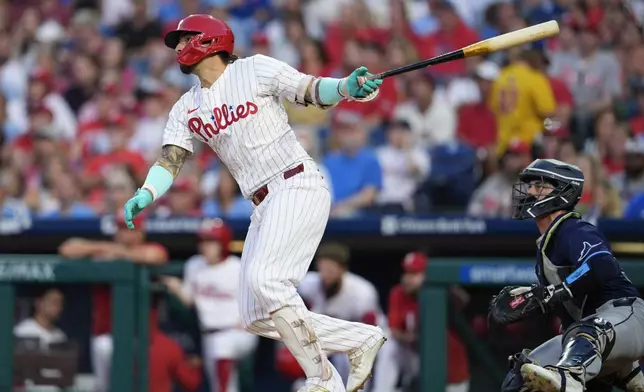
(216, 230)
(213, 36)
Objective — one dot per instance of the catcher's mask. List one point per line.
(546, 186)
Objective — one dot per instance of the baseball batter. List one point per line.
(211, 284)
(580, 280)
(236, 109)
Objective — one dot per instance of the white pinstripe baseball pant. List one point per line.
(285, 231)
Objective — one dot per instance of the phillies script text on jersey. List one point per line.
(222, 117)
(256, 145)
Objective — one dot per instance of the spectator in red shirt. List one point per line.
(400, 354)
(451, 35)
(354, 22)
(41, 92)
(127, 245)
(100, 167)
(168, 365)
(33, 151)
(381, 109)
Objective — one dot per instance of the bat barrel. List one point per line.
(513, 38)
(494, 44)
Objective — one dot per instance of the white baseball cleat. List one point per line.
(361, 367)
(549, 379)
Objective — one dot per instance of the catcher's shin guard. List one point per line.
(513, 381)
(586, 344)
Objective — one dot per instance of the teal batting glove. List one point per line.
(355, 89)
(135, 205)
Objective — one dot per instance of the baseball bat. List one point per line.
(491, 45)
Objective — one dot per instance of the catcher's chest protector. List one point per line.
(548, 272)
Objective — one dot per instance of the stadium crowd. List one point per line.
(87, 85)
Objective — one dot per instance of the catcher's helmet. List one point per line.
(216, 230)
(213, 36)
(556, 186)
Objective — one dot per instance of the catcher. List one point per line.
(580, 280)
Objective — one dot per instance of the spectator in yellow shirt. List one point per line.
(521, 99)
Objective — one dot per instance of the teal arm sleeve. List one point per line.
(329, 90)
(158, 181)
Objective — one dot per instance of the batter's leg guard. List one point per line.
(587, 344)
(298, 335)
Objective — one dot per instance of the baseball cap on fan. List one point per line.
(415, 262)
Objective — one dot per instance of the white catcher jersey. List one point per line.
(214, 290)
(357, 297)
(242, 118)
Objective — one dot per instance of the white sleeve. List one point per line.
(276, 78)
(306, 288)
(368, 301)
(189, 271)
(444, 128)
(21, 329)
(176, 130)
(59, 336)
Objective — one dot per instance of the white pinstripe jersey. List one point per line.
(241, 117)
(214, 290)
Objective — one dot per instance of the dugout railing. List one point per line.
(131, 287)
(130, 290)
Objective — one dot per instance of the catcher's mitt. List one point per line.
(514, 303)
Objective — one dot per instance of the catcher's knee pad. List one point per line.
(513, 381)
(586, 344)
(599, 332)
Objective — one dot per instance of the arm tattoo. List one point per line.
(172, 158)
